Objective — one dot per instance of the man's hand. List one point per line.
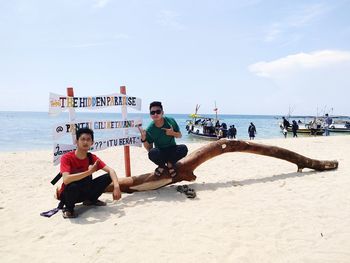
(170, 131)
(93, 168)
(116, 193)
(142, 132)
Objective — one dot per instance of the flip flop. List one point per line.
(189, 192)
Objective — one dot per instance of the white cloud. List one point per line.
(169, 19)
(274, 31)
(299, 62)
(307, 15)
(310, 81)
(301, 17)
(121, 36)
(101, 3)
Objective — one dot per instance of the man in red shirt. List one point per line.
(77, 168)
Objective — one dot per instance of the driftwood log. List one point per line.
(187, 165)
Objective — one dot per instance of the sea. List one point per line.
(26, 131)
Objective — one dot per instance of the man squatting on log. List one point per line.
(162, 132)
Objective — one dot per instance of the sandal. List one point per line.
(68, 214)
(189, 192)
(172, 170)
(95, 203)
(159, 171)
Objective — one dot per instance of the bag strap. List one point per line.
(56, 179)
(91, 160)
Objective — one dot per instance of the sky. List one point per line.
(247, 57)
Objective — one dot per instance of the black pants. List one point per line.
(170, 154)
(85, 189)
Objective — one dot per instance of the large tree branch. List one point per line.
(187, 165)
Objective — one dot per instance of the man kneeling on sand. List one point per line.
(77, 168)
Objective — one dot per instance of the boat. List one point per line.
(198, 126)
(306, 128)
(339, 123)
(340, 127)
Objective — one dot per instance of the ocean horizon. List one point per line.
(26, 130)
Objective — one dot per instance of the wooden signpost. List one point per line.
(60, 103)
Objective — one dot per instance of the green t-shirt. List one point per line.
(158, 136)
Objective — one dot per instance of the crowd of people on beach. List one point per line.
(314, 127)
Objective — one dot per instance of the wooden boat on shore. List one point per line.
(306, 129)
(203, 127)
(340, 127)
(197, 130)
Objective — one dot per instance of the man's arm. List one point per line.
(148, 146)
(171, 132)
(70, 178)
(116, 191)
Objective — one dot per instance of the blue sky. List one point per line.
(250, 57)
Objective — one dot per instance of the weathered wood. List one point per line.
(187, 165)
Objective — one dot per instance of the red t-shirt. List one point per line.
(72, 164)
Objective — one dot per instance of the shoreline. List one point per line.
(198, 141)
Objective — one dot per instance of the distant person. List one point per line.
(209, 126)
(285, 126)
(286, 123)
(232, 131)
(295, 128)
(217, 125)
(162, 132)
(327, 123)
(284, 132)
(251, 131)
(222, 131)
(313, 127)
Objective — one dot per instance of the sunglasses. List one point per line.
(155, 111)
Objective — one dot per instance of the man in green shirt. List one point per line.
(159, 140)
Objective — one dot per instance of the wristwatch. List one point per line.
(143, 140)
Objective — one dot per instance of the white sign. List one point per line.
(107, 125)
(59, 103)
(60, 149)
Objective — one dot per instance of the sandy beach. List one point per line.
(249, 208)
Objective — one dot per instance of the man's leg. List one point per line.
(177, 153)
(71, 196)
(156, 156)
(98, 187)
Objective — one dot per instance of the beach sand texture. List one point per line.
(249, 208)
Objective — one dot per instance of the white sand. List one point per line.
(249, 208)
